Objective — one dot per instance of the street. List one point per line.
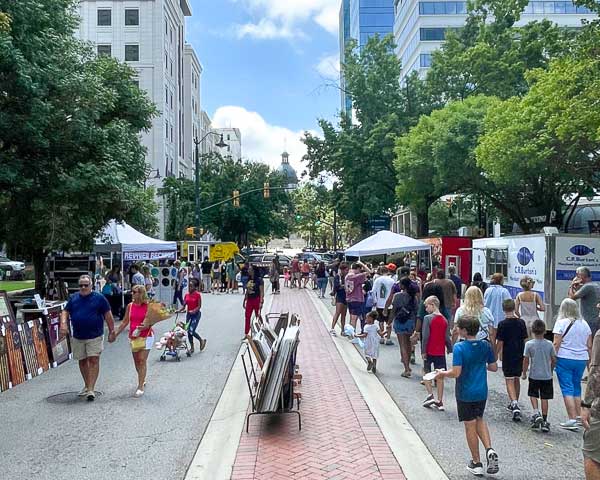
(49, 434)
(523, 453)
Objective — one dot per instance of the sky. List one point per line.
(269, 68)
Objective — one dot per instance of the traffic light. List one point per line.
(236, 198)
(266, 190)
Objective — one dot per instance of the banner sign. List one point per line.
(137, 256)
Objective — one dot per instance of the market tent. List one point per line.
(385, 242)
(134, 245)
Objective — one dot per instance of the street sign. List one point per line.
(378, 223)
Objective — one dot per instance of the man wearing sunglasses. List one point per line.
(87, 310)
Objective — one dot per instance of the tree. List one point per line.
(437, 156)
(545, 145)
(256, 218)
(361, 154)
(70, 151)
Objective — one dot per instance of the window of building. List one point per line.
(496, 260)
(171, 133)
(136, 82)
(171, 67)
(132, 53)
(104, 17)
(171, 98)
(166, 96)
(132, 17)
(228, 137)
(105, 50)
(433, 34)
(167, 129)
(425, 60)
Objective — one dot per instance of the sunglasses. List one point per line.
(84, 285)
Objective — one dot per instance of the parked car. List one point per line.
(263, 261)
(311, 257)
(7, 262)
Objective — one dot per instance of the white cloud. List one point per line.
(329, 66)
(281, 19)
(262, 141)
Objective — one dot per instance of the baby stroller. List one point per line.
(174, 341)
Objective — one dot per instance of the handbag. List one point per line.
(138, 343)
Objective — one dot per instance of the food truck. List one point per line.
(452, 251)
(551, 259)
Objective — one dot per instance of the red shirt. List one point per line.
(192, 300)
(436, 343)
(137, 313)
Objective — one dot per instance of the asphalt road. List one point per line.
(524, 454)
(118, 436)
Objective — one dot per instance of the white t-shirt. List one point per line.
(486, 321)
(574, 343)
(382, 286)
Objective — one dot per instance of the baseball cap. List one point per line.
(391, 267)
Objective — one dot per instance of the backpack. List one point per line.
(404, 313)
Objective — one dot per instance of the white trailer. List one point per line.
(549, 259)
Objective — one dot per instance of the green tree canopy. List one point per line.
(70, 152)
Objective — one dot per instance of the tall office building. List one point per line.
(192, 111)
(420, 26)
(233, 138)
(360, 20)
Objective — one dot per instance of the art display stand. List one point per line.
(273, 377)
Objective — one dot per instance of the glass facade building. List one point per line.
(361, 20)
(420, 26)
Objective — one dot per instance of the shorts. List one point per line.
(512, 369)
(438, 362)
(137, 345)
(468, 411)
(296, 275)
(216, 276)
(89, 347)
(591, 440)
(543, 389)
(569, 373)
(355, 308)
(406, 328)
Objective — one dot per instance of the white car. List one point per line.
(16, 266)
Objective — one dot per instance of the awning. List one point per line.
(385, 242)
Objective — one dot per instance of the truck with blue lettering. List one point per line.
(550, 259)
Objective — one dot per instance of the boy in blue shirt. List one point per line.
(471, 360)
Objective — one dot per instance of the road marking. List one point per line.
(217, 450)
(406, 445)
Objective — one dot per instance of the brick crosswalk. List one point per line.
(339, 439)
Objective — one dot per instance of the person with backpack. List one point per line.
(404, 312)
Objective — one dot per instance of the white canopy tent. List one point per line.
(385, 243)
(134, 245)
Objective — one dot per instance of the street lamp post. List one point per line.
(197, 142)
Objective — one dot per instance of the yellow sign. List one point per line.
(223, 251)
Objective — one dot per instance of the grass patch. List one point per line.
(12, 286)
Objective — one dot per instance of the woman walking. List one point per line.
(141, 340)
(573, 344)
(528, 303)
(404, 313)
(321, 273)
(231, 273)
(339, 294)
(274, 277)
(473, 307)
(254, 297)
(114, 280)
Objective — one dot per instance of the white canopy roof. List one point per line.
(120, 237)
(385, 242)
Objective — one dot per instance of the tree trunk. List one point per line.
(423, 223)
(39, 258)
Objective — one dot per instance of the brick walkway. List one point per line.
(340, 439)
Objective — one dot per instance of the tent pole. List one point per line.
(430, 261)
(122, 286)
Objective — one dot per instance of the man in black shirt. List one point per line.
(206, 268)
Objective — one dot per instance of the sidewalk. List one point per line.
(340, 438)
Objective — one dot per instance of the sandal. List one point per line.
(406, 374)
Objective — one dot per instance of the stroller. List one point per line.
(174, 341)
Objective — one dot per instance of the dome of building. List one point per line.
(287, 169)
(579, 222)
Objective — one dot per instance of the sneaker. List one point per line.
(91, 396)
(202, 344)
(374, 366)
(332, 333)
(579, 421)
(516, 413)
(492, 461)
(570, 424)
(429, 401)
(440, 406)
(83, 392)
(344, 334)
(545, 426)
(536, 420)
(369, 364)
(389, 342)
(475, 468)
(382, 341)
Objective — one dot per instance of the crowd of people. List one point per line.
(482, 326)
